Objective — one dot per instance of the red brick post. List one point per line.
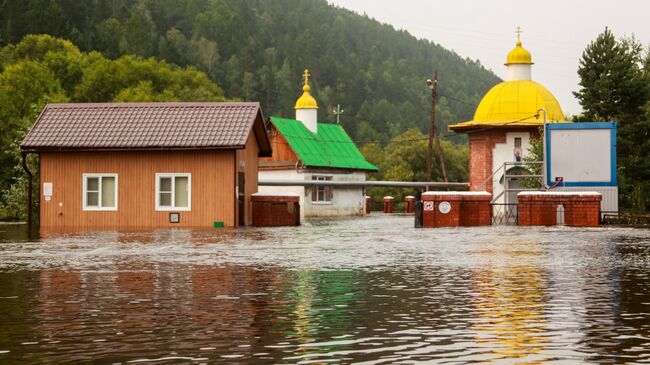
(441, 209)
(276, 210)
(475, 209)
(410, 204)
(368, 204)
(388, 204)
(581, 209)
(455, 209)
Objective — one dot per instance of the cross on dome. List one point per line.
(306, 101)
(519, 31)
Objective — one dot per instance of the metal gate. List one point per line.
(503, 214)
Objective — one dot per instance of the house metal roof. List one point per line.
(329, 147)
(137, 126)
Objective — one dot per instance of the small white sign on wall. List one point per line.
(428, 206)
(444, 207)
(47, 189)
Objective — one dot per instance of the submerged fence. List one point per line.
(503, 214)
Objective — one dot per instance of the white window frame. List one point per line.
(327, 189)
(84, 191)
(172, 208)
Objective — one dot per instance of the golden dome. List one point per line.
(514, 104)
(306, 101)
(519, 55)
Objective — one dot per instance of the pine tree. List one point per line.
(614, 87)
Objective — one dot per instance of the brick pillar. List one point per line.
(410, 204)
(388, 204)
(368, 204)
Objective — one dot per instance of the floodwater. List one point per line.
(369, 290)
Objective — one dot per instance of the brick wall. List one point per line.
(273, 211)
(475, 210)
(481, 145)
(467, 209)
(580, 210)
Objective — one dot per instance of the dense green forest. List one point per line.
(257, 50)
(158, 50)
(42, 69)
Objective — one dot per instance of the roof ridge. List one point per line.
(142, 125)
(151, 104)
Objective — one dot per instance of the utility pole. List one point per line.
(338, 113)
(433, 133)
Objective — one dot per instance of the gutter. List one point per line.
(395, 184)
(30, 177)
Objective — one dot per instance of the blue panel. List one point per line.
(585, 125)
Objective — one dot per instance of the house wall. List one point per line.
(504, 152)
(249, 157)
(488, 150)
(212, 188)
(283, 156)
(345, 201)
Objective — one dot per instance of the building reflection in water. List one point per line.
(509, 306)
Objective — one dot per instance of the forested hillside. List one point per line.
(257, 50)
(42, 69)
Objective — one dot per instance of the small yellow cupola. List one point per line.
(519, 55)
(306, 101)
(519, 61)
(307, 107)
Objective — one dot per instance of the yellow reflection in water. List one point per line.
(510, 302)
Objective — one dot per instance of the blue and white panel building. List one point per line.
(582, 157)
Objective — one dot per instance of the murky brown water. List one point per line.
(371, 290)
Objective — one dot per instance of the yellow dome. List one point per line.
(514, 104)
(306, 101)
(519, 55)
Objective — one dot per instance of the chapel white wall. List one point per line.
(504, 152)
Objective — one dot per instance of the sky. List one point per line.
(556, 32)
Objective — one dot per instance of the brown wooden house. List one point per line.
(147, 165)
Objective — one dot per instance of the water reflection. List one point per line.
(359, 291)
(510, 303)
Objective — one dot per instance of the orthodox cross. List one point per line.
(519, 31)
(306, 76)
(338, 111)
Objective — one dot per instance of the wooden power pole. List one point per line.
(433, 133)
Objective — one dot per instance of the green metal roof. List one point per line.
(330, 147)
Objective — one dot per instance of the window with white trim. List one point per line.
(174, 192)
(321, 194)
(99, 191)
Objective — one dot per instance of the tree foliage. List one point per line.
(404, 159)
(257, 50)
(615, 86)
(42, 69)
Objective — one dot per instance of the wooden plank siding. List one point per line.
(283, 156)
(212, 187)
(250, 156)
